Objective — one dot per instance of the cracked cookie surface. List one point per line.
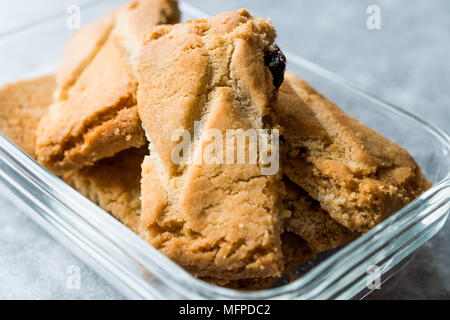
(95, 115)
(112, 183)
(215, 220)
(358, 176)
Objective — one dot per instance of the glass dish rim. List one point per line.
(49, 184)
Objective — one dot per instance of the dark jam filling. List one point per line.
(276, 61)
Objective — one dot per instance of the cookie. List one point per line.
(22, 105)
(311, 222)
(79, 52)
(295, 253)
(95, 115)
(128, 23)
(214, 219)
(358, 176)
(114, 185)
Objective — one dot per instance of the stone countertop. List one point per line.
(405, 62)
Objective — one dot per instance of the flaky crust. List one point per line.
(358, 176)
(95, 115)
(215, 220)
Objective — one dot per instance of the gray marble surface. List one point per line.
(406, 62)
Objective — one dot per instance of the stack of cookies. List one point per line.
(193, 135)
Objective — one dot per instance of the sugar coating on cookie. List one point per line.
(358, 176)
(94, 115)
(215, 220)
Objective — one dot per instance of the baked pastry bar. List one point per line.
(358, 176)
(114, 185)
(295, 253)
(95, 115)
(215, 220)
(130, 22)
(22, 105)
(308, 220)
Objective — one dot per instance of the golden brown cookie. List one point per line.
(214, 219)
(295, 253)
(358, 176)
(22, 104)
(114, 185)
(311, 222)
(128, 23)
(95, 115)
(80, 51)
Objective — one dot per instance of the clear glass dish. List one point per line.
(140, 271)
